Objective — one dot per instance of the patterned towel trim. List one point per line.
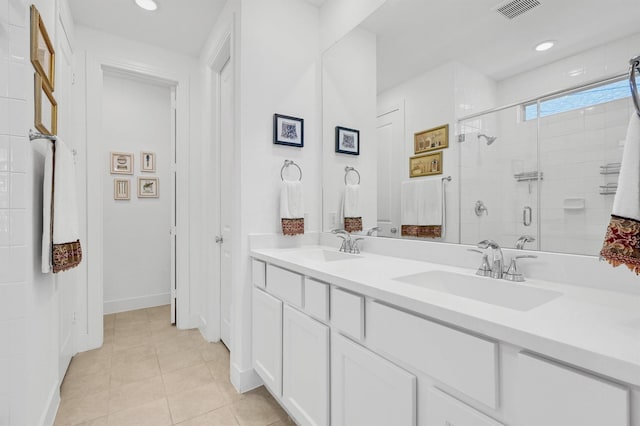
(428, 231)
(293, 226)
(353, 224)
(66, 256)
(622, 243)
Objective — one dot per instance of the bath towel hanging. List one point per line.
(622, 240)
(351, 208)
(421, 208)
(61, 249)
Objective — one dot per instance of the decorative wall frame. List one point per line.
(431, 140)
(425, 165)
(288, 130)
(121, 163)
(148, 187)
(147, 161)
(121, 189)
(347, 141)
(46, 108)
(43, 55)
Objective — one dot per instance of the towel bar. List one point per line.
(350, 169)
(286, 164)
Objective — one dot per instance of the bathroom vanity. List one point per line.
(371, 339)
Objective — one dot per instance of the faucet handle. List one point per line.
(354, 245)
(512, 273)
(485, 269)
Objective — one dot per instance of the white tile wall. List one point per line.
(15, 76)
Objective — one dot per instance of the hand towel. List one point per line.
(351, 208)
(292, 208)
(622, 240)
(421, 209)
(61, 249)
(429, 198)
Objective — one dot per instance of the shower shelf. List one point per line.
(610, 169)
(528, 176)
(608, 189)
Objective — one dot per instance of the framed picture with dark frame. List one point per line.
(347, 141)
(288, 130)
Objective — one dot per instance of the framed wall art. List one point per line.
(148, 161)
(148, 187)
(347, 141)
(121, 163)
(46, 108)
(121, 189)
(288, 130)
(42, 53)
(425, 165)
(431, 140)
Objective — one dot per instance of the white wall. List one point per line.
(348, 100)
(136, 117)
(338, 17)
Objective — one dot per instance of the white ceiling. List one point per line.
(418, 35)
(178, 25)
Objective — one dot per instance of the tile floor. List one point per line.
(150, 373)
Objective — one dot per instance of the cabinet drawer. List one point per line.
(347, 313)
(316, 299)
(284, 284)
(467, 363)
(446, 410)
(550, 394)
(258, 273)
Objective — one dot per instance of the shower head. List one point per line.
(490, 139)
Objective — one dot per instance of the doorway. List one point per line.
(138, 193)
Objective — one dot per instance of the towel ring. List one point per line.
(635, 66)
(350, 169)
(286, 164)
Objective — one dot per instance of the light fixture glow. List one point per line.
(545, 45)
(147, 4)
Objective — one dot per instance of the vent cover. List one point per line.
(513, 9)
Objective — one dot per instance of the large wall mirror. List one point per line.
(535, 138)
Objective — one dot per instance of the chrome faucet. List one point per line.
(346, 245)
(370, 231)
(497, 259)
(523, 240)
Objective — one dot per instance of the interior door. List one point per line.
(226, 166)
(172, 226)
(390, 139)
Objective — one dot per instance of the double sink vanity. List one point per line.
(376, 339)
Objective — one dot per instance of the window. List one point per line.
(581, 99)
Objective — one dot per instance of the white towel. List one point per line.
(60, 234)
(621, 244)
(351, 205)
(429, 199)
(291, 200)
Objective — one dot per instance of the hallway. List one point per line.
(150, 373)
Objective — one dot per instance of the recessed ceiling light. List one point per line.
(147, 4)
(545, 45)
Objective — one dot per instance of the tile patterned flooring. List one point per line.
(150, 373)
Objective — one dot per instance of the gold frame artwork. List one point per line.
(121, 189)
(43, 55)
(150, 167)
(117, 167)
(42, 92)
(431, 140)
(425, 165)
(155, 193)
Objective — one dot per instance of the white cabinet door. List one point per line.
(550, 394)
(267, 339)
(444, 410)
(305, 376)
(367, 390)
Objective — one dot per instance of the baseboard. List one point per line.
(132, 303)
(244, 380)
(49, 415)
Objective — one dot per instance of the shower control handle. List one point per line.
(527, 214)
(219, 239)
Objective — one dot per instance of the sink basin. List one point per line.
(488, 290)
(322, 255)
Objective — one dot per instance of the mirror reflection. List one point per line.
(534, 138)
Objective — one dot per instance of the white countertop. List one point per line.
(594, 329)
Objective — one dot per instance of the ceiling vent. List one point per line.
(514, 8)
